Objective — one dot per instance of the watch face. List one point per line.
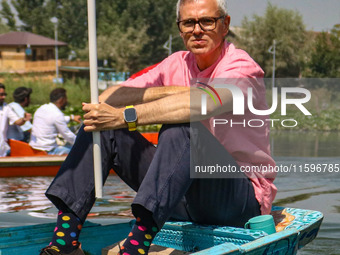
(130, 115)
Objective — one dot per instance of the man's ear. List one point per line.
(226, 25)
(60, 101)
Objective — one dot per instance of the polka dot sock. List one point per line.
(141, 236)
(66, 233)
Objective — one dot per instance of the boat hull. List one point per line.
(182, 236)
(27, 162)
(30, 166)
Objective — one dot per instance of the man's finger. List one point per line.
(89, 129)
(87, 107)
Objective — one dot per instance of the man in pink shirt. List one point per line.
(161, 176)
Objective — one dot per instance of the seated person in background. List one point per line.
(49, 121)
(6, 116)
(21, 131)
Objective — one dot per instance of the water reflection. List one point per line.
(305, 196)
(27, 194)
(314, 191)
(19, 194)
(305, 144)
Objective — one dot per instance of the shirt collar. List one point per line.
(207, 72)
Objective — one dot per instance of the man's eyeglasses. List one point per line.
(3, 94)
(206, 24)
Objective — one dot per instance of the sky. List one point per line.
(318, 15)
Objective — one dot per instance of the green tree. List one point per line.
(4, 28)
(161, 20)
(72, 21)
(35, 16)
(124, 53)
(154, 18)
(6, 13)
(324, 61)
(284, 26)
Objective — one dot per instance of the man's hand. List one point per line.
(22, 121)
(76, 118)
(27, 117)
(102, 117)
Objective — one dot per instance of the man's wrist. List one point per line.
(130, 117)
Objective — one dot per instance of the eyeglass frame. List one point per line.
(198, 22)
(3, 94)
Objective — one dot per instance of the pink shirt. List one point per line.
(248, 145)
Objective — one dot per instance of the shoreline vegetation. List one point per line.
(324, 104)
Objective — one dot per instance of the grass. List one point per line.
(324, 106)
(326, 120)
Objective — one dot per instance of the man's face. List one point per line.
(63, 103)
(2, 96)
(27, 101)
(204, 43)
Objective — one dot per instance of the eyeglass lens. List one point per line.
(206, 24)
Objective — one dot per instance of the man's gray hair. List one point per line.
(222, 6)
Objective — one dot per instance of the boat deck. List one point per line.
(30, 166)
(178, 237)
(31, 161)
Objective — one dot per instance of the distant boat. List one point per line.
(295, 229)
(30, 166)
(27, 162)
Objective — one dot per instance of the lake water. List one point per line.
(23, 200)
(311, 190)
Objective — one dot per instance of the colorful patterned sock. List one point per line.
(66, 233)
(140, 238)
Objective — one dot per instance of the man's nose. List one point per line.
(197, 29)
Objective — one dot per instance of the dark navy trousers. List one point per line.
(160, 176)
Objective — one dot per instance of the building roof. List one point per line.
(27, 38)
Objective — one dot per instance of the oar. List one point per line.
(97, 158)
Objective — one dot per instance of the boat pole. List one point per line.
(97, 161)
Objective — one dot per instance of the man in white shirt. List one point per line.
(22, 99)
(49, 121)
(7, 116)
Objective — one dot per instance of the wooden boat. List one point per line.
(295, 229)
(30, 166)
(26, 161)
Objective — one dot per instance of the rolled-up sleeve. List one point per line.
(12, 116)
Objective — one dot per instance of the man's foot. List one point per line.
(66, 233)
(142, 233)
(50, 251)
